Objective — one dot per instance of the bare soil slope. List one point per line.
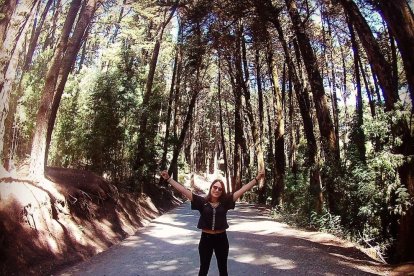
(71, 215)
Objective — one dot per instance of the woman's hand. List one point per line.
(188, 194)
(260, 175)
(164, 174)
(248, 186)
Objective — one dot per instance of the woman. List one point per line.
(213, 221)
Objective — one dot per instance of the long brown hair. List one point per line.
(223, 193)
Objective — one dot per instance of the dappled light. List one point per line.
(258, 245)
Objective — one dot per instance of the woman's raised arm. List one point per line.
(237, 194)
(188, 194)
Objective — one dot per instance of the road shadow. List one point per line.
(258, 246)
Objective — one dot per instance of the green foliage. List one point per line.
(375, 196)
(32, 86)
(66, 147)
(326, 222)
(296, 200)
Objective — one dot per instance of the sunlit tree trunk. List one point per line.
(381, 67)
(35, 35)
(267, 10)
(13, 28)
(223, 143)
(238, 126)
(259, 90)
(140, 155)
(400, 20)
(169, 110)
(38, 152)
(51, 34)
(250, 116)
(326, 126)
(7, 9)
(279, 133)
(79, 34)
(185, 127)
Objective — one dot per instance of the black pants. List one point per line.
(217, 243)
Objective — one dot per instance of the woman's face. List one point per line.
(217, 189)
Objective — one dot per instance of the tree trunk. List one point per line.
(169, 110)
(358, 133)
(400, 20)
(39, 151)
(80, 33)
(238, 129)
(259, 91)
(271, 14)
(35, 36)
(50, 36)
(140, 156)
(223, 143)
(322, 110)
(7, 9)
(12, 32)
(185, 128)
(380, 66)
(250, 115)
(335, 109)
(369, 91)
(279, 134)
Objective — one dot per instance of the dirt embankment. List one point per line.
(71, 215)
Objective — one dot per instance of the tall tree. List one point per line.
(279, 133)
(358, 133)
(326, 126)
(380, 65)
(250, 115)
(61, 63)
(37, 28)
(270, 13)
(148, 88)
(6, 10)
(13, 27)
(400, 20)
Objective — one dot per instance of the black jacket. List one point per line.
(212, 218)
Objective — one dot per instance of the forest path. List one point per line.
(258, 246)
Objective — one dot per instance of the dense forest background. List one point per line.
(319, 93)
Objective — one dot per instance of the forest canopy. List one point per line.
(319, 93)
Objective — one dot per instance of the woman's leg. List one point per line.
(221, 249)
(205, 250)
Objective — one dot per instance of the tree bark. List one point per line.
(279, 134)
(400, 20)
(39, 146)
(322, 110)
(259, 91)
(250, 116)
(185, 127)
(358, 133)
(12, 31)
(382, 69)
(7, 10)
(238, 126)
(223, 143)
(147, 95)
(271, 14)
(169, 111)
(74, 44)
(35, 36)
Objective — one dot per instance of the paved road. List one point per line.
(258, 246)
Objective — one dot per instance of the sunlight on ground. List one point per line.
(164, 265)
(264, 228)
(262, 260)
